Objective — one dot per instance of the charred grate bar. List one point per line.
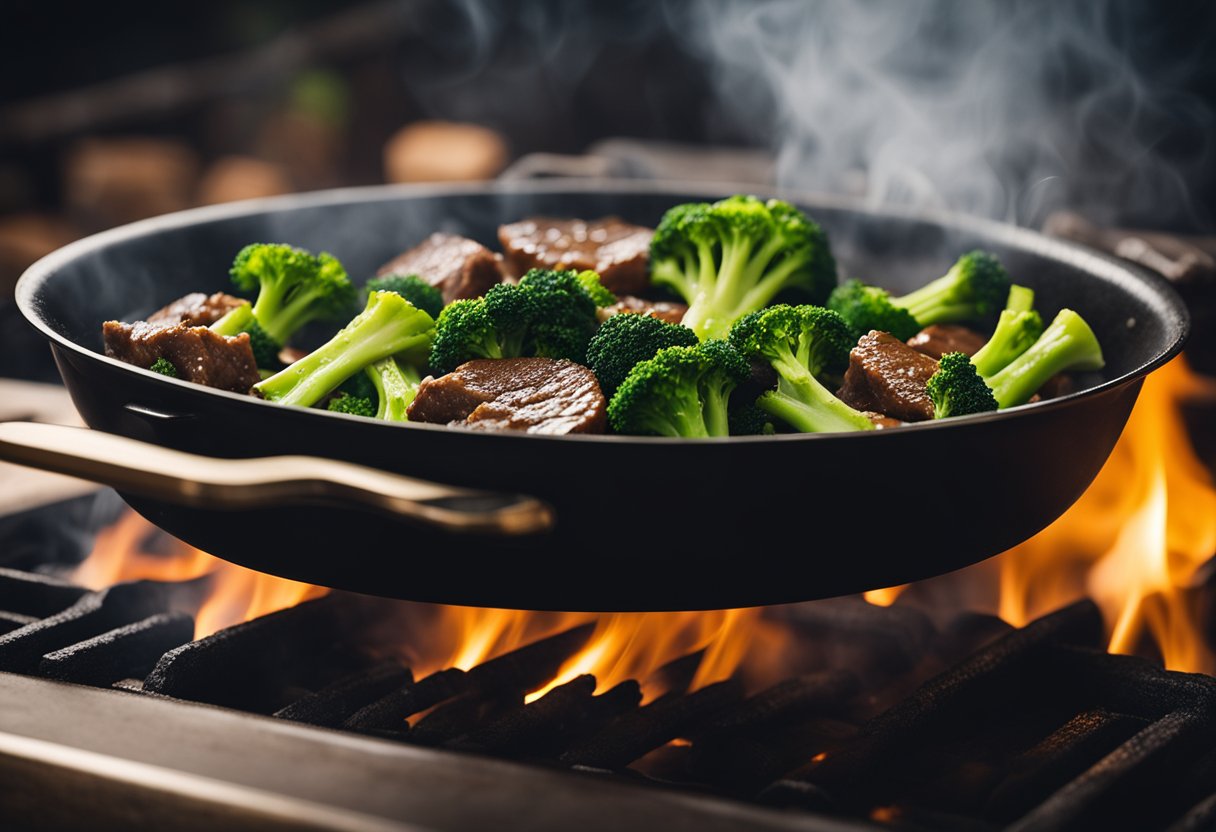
(1029, 729)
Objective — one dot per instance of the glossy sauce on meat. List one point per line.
(620, 252)
(887, 376)
(457, 266)
(536, 395)
(196, 309)
(665, 310)
(938, 339)
(197, 353)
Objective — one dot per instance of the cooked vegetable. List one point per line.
(548, 314)
(750, 420)
(294, 288)
(1067, 344)
(957, 388)
(396, 386)
(734, 256)
(165, 367)
(1018, 327)
(865, 307)
(974, 289)
(355, 405)
(411, 287)
(241, 319)
(389, 326)
(682, 391)
(801, 343)
(625, 339)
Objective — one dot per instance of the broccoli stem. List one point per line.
(1018, 327)
(396, 387)
(389, 325)
(808, 406)
(282, 308)
(1068, 343)
(685, 418)
(235, 322)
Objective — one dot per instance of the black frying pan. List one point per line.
(640, 523)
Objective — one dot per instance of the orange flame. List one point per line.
(622, 645)
(1135, 538)
(121, 553)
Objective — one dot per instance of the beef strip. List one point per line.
(537, 395)
(196, 309)
(887, 376)
(664, 310)
(198, 354)
(457, 266)
(936, 340)
(620, 252)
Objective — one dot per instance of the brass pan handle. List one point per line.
(206, 482)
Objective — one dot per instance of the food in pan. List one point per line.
(575, 330)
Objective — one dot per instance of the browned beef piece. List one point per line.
(887, 376)
(664, 310)
(537, 395)
(1061, 384)
(198, 353)
(882, 422)
(936, 340)
(196, 309)
(457, 266)
(620, 252)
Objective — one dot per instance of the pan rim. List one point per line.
(1152, 289)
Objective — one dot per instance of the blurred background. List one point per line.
(1031, 112)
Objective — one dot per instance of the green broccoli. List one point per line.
(164, 366)
(1018, 327)
(294, 287)
(866, 307)
(957, 388)
(241, 319)
(355, 405)
(396, 387)
(1068, 343)
(625, 339)
(411, 287)
(975, 288)
(390, 325)
(552, 314)
(734, 256)
(681, 392)
(750, 420)
(801, 343)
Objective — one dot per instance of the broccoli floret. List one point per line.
(1068, 343)
(390, 325)
(241, 319)
(734, 256)
(750, 420)
(294, 287)
(975, 288)
(164, 366)
(625, 339)
(411, 287)
(355, 405)
(957, 389)
(548, 313)
(681, 392)
(396, 386)
(868, 307)
(801, 342)
(1018, 327)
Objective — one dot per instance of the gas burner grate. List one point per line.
(974, 726)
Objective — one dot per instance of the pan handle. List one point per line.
(206, 482)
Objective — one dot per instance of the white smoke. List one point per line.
(1003, 109)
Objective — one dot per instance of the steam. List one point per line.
(1006, 110)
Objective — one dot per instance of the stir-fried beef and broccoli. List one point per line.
(725, 320)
